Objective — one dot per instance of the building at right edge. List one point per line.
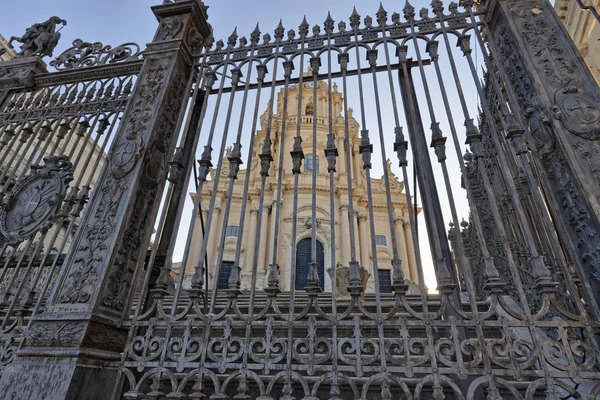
(584, 29)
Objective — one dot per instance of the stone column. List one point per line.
(197, 238)
(262, 250)
(68, 345)
(358, 167)
(401, 244)
(555, 94)
(271, 235)
(213, 235)
(341, 164)
(410, 250)
(357, 248)
(345, 235)
(251, 240)
(365, 242)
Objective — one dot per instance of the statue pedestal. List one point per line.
(343, 280)
(20, 72)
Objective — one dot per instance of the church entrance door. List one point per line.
(303, 258)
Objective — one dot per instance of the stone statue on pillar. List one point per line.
(39, 39)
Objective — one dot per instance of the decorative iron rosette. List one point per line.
(35, 201)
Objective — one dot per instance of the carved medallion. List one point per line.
(578, 112)
(35, 201)
(125, 156)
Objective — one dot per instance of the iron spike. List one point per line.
(381, 15)
(437, 6)
(409, 12)
(255, 35)
(279, 31)
(303, 28)
(329, 24)
(354, 19)
(232, 40)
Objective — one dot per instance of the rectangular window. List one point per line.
(380, 240)
(224, 274)
(385, 281)
(311, 162)
(232, 230)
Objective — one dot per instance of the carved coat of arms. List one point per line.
(35, 201)
(578, 112)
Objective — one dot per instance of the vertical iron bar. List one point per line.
(366, 149)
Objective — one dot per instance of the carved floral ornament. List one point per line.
(34, 202)
(576, 109)
(94, 246)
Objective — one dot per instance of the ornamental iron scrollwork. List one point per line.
(34, 202)
(85, 54)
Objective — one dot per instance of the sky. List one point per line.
(116, 22)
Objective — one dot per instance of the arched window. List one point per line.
(310, 109)
(311, 162)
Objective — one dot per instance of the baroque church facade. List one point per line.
(360, 219)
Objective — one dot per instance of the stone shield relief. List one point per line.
(578, 112)
(35, 201)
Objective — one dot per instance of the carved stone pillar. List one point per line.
(365, 242)
(345, 235)
(560, 99)
(68, 344)
(410, 253)
(401, 244)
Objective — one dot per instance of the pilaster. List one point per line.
(67, 345)
(561, 100)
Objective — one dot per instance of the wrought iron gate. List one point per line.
(508, 224)
(55, 138)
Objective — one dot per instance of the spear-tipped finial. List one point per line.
(329, 24)
(279, 31)
(354, 19)
(381, 15)
(409, 11)
(303, 28)
(437, 6)
(232, 40)
(255, 35)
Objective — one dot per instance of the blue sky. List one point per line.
(115, 22)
